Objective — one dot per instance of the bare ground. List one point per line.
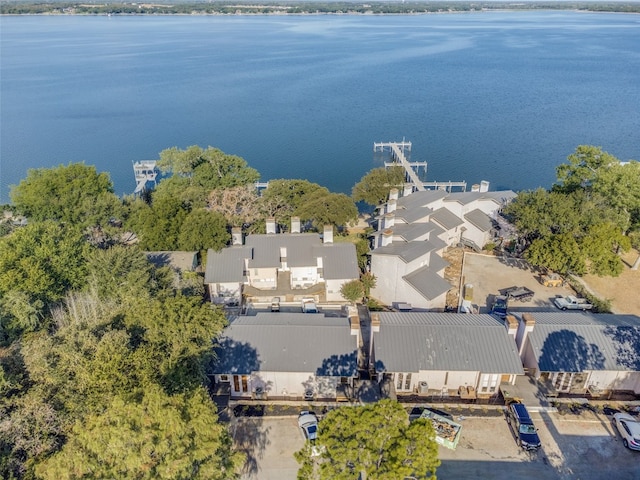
(623, 291)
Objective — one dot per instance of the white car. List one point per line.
(629, 429)
(308, 422)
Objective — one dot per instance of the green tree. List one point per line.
(159, 437)
(374, 187)
(120, 272)
(73, 193)
(283, 197)
(352, 291)
(369, 281)
(157, 225)
(376, 440)
(202, 230)
(560, 253)
(582, 168)
(362, 251)
(600, 245)
(326, 208)
(43, 260)
(208, 169)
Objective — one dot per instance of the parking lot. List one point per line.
(489, 275)
(584, 447)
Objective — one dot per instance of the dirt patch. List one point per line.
(452, 274)
(622, 291)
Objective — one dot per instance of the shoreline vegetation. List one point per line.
(299, 8)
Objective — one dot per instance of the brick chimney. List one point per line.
(354, 320)
(295, 224)
(511, 323)
(408, 189)
(271, 225)
(236, 236)
(393, 194)
(327, 234)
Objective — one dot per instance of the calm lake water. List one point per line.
(499, 96)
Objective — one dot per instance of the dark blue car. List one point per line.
(523, 426)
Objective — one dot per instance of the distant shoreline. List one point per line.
(307, 8)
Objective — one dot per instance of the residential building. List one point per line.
(582, 353)
(414, 231)
(444, 354)
(291, 265)
(290, 356)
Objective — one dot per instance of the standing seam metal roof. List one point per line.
(284, 342)
(414, 341)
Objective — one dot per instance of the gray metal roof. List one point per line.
(416, 230)
(413, 341)
(500, 197)
(287, 342)
(227, 265)
(426, 281)
(420, 199)
(410, 251)
(413, 215)
(179, 260)
(339, 261)
(575, 342)
(445, 218)
(480, 219)
(300, 249)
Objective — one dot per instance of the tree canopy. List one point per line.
(376, 439)
(585, 219)
(374, 187)
(74, 193)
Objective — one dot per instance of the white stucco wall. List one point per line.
(263, 278)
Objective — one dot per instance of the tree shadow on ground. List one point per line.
(251, 439)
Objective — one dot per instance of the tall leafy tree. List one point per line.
(281, 199)
(74, 193)
(326, 208)
(374, 187)
(159, 437)
(352, 291)
(43, 260)
(203, 229)
(375, 440)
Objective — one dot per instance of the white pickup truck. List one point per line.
(572, 303)
(309, 305)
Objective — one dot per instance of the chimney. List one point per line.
(236, 236)
(393, 194)
(392, 205)
(328, 234)
(354, 320)
(525, 327)
(389, 220)
(271, 225)
(475, 187)
(295, 224)
(512, 326)
(408, 189)
(484, 186)
(375, 322)
(387, 237)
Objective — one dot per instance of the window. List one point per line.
(399, 384)
(489, 383)
(407, 384)
(224, 378)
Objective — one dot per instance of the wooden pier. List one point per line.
(398, 151)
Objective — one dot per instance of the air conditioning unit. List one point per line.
(423, 387)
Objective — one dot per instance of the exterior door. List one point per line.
(240, 384)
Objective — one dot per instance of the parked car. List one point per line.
(526, 432)
(308, 422)
(500, 305)
(275, 304)
(629, 429)
(309, 305)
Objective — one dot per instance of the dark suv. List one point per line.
(523, 426)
